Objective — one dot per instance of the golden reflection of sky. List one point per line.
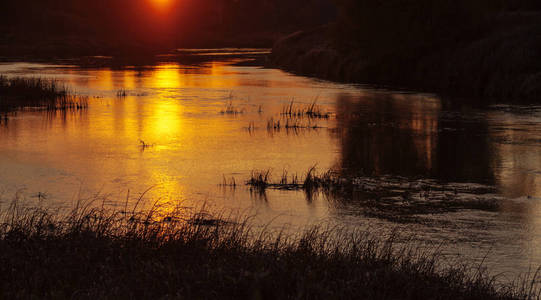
(166, 120)
(194, 145)
(104, 80)
(164, 79)
(159, 120)
(176, 109)
(167, 76)
(174, 76)
(129, 80)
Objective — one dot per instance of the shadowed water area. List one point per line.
(179, 134)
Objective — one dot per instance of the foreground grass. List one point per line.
(101, 254)
(18, 92)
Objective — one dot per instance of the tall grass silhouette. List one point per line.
(98, 253)
(20, 92)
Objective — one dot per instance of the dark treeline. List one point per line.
(99, 25)
(418, 23)
(480, 48)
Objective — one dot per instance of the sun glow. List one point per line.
(161, 4)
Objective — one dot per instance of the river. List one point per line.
(183, 128)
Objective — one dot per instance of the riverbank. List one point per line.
(75, 47)
(94, 253)
(498, 64)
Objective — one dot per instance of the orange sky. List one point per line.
(162, 5)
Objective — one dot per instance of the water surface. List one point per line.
(208, 121)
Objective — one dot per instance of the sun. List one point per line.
(161, 4)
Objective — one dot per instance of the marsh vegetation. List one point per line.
(312, 110)
(456, 175)
(384, 160)
(97, 253)
(394, 198)
(37, 93)
(232, 109)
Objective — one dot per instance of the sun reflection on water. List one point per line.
(175, 110)
(166, 121)
(167, 76)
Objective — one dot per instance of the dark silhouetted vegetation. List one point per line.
(485, 49)
(312, 110)
(290, 125)
(20, 92)
(95, 253)
(231, 109)
(393, 198)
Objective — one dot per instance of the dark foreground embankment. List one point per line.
(500, 62)
(93, 254)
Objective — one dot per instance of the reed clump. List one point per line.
(122, 93)
(394, 198)
(231, 109)
(98, 253)
(48, 94)
(311, 181)
(251, 127)
(144, 145)
(290, 124)
(228, 182)
(260, 179)
(312, 110)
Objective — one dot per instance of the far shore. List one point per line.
(500, 66)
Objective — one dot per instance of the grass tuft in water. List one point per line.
(228, 182)
(311, 181)
(396, 199)
(144, 145)
(122, 93)
(231, 109)
(312, 110)
(290, 125)
(18, 93)
(259, 180)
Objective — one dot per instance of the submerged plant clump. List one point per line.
(18, 93)
(290, 124)
(144, 145)
(96, 253)
(231, 109)
(312, 110)
(292, 119)
(122, 93)
(394, 198)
